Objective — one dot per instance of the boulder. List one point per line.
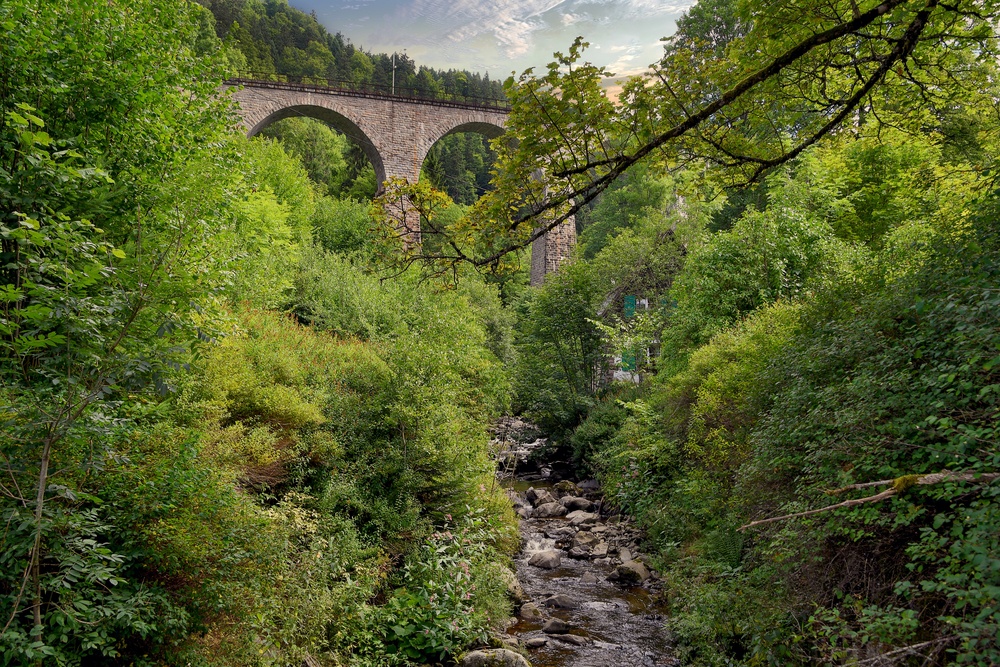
(549, 510)
(555, 626)
(625, 555)
(589, 485)
(560, 601)
(530, 495)
(565, 487)
(600, 550)
(588, 578)
(560, 533)
(514, 590)
(585, 540)
(575, 503)
(581, 518)
(632, 571)
(536, 642)
(575, 640)
(549, 559)
(543, 497)
(523, 512)
(529, 611)
(494, 657)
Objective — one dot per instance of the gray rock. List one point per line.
(581, 518)
(589, 485)
(523, 512)
(543, 498)
(600, 550)
(514, 590)
(555, 626)
(575, 640)
(579, 553)
(624, 554)
(560, 533)
(549, 559)
(602, 561)
(585, 540)
(530, 495)
(536, 642)
(589, 578)
(529, 611)
(560, 601)
(575, 503)
(494, 657)
(549, 510)
(565, 487)
(632, 571)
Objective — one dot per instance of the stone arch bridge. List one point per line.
(395, 131)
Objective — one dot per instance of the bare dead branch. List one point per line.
(899, 485)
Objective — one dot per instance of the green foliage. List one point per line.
(883, 369)
(447, 594)
(460, 164)
(559, 351)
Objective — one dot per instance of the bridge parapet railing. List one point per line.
(319, 84)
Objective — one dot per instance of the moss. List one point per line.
(901, 484)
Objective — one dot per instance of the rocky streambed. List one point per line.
(590, 597)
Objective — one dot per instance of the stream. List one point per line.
(590, 599)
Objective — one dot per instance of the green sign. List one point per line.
(628, 360)
(630, 305)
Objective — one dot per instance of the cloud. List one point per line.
(511, 34)
(510, 23)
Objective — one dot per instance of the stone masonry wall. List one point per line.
(396, 135)
(551, 250)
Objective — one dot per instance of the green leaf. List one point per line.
(119, 253)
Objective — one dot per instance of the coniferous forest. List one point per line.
(246, 421)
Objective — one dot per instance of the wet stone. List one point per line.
(575, 640)
(561, 533)
(549, 510)
(632, 571)
(549, 559)
(530, 612)
(555, 626)
(560, 601)
(498, 657)
(586, 541)
(536, 642)
(581, 518)
(600, 550)
(565, 486)
(589, 578)
(543, 498)
(575, 503)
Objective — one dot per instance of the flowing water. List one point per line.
(609, 623)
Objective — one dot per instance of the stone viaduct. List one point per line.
(395, 132)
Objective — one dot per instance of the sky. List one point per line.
(504, 36)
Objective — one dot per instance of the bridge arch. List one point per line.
(334, 119)
(395, 133)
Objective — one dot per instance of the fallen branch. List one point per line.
(905, 651)
(899, 485)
